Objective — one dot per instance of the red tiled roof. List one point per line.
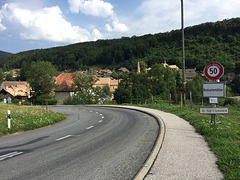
(123, 69)
(103, 71)
(65, 86)
(64, 82)
(63, 77)
(17, 88)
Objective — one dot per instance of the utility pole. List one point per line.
(183, 56)
(118, 89)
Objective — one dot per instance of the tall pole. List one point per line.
(118, 89)
(183, 57)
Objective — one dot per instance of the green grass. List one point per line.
(223, 139)
(26, 118)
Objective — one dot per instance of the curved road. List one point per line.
(92, 143)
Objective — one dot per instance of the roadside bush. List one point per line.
(74, 100)
(46, 99)
(16, 101)
(26, 103)
(221, 101)
(231, 102)
(1, 97)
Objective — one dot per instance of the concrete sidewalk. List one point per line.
(184, 154)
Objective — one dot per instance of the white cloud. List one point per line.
(44, 24)
(155, 16)
(116, 27)
(98, 8)
(2, 27)
(96, 34)
(91, 7)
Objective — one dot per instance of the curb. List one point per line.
(158, 144)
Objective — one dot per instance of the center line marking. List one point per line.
(10, 155)
(89, 127)
(59, 139)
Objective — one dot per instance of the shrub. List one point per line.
(26, 103)
(221, 101)
(46, 99)
(231, 102)
(16, 101)
(1, 97)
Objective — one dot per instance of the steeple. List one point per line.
(138, 68)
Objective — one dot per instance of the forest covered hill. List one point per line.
(205, 43)
(4, 54)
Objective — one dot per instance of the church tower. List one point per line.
(138, 68)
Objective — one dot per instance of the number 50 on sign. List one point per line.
(213, 71)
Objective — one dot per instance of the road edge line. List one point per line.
(143, 172)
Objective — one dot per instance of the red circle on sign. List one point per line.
(213, 71)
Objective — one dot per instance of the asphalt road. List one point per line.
(92, 143)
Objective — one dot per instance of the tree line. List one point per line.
(205, 43)
(151, 85)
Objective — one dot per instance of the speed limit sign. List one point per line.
(213, 71)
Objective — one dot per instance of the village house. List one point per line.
(107, 81)
(170, 66)
(122, 70)
(65, 89)
(104, 73)
(190, 74)
(16, 89)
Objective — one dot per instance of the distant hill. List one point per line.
(4, 54)
(204, 43)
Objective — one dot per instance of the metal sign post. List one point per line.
(181, 91)
(213, 90)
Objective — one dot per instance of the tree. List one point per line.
(195, 86)
(237, 67)
(114, 75)
(140, 93)
(143, 66)
(170, 76)
(40, 77)
(157, 83)
(9, 77)
(236, 85)
(84, 87)
(1, 76)
(101, 94)
(24, 69)
(124, 94)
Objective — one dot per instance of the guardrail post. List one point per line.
(9, 119)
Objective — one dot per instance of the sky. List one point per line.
(39, 24)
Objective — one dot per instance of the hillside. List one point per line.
(4, 54)
(208, 42)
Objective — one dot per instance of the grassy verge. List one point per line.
(223, 139)
(26, 118)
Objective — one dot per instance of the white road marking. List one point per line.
(100, 121)
(100, 114)
(90, 127)
(10, 155)
(96, 112)
(102, 117)
(59, 139)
